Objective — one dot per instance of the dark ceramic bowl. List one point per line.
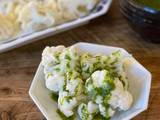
(143, 19)
(136, 17)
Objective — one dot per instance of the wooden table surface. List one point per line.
(18, 66)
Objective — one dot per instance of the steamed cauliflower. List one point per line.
(66, 103)
(87, 111)
(55, 83)
(50, 55)
(92, 107)
(106, 90)
(94, 85)
(74, 86)
(106, 111)
(120, 98)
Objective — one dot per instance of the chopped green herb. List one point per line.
(68, 65)
(100, 117)
(57, 69)
(54, 96)
(106, 99)
(68, 57)
(63, 117)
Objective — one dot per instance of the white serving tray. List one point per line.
(101, 9)
(139, 84)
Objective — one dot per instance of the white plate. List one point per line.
(101, 9)
(139, 85)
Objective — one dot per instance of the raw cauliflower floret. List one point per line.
(66, 103)
(120, 98)
(33, 18)
(55, 83)
(7, 6)
(73, 9)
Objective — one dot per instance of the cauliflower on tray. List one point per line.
(88, 86)
(29, 16)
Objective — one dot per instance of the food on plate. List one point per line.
(87, 86)
(76, 8)
(8, 29)
(27, 16)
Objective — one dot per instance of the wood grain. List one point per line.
(17, 67)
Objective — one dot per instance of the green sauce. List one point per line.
(54, 96)
(100, 117)
(63, 117)
(150, 3)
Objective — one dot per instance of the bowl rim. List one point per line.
(144, 8)
(147, 21)
(126, 5)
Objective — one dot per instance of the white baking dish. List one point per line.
(101, 9)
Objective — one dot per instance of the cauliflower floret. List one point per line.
(74, 86)
(59, 60)
(50, 55)
(74, 83)
(98, 78)
(66, 103)
(92, 107)
(51, 7)
(52, 70)
(120, 98)
(102, 79)
(73, 53)
(73, 9)
(84, 113)
(125, 100)
(34, 18)
(71, 86)
(87, 65)
(8, 28)
(6, 6)
(120, 69)
(114, 58)
(55, 83)
(99, 85)
(69, 60)
(106, 112)
(89, 85)
(99, 99)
